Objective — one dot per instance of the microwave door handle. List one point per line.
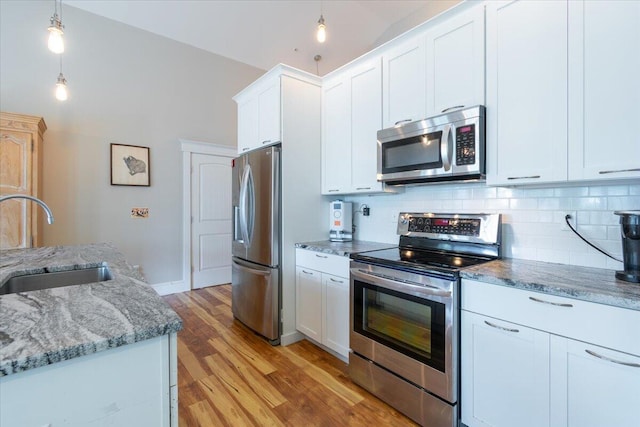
(446, 146)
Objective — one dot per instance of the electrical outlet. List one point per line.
(573, 220)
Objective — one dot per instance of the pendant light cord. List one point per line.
(566, 218)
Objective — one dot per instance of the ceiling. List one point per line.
(263, 33)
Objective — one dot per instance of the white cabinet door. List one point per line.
(404, 82)
(366, 121)
(604, 91)
(593, 386)
(309, 302)
(336, 137)
(504, 373)
(269, 110)
(247, 125)
(335, 326)
(455, 62)
(526, 92)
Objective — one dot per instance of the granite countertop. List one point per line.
(344, 248)
(583, 283)
(39, 328)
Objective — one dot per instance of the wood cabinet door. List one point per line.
(504, 373)
(15, 178)
(604, 91)
(526, 92)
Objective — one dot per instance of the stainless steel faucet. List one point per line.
(35, 199)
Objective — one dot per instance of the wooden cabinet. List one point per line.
(526, 92)
(604, 89)
(404, 82)
(259, 115)
(455, 62)
(21, 140)
(352, 116)
(533, 359)
(322, 299)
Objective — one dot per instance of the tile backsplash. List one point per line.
(532, 218)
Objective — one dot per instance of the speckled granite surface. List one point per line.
(583, 283)
(344, 248)
(39, 328)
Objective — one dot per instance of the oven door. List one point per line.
(406, 323)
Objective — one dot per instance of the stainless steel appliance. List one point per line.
(255, 275)
(630, 231)
(404, 316)
(340, 221)
(448, 147)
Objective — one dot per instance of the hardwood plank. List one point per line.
(231, 411)
(203, 415)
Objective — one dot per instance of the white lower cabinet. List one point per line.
(322, 299)
(530, 359)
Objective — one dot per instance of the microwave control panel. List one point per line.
(466, 145)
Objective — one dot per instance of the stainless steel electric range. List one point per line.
(404, 317)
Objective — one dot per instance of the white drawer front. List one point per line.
(604, 325)
(326, 263)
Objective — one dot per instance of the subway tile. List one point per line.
(508, 193)
(549, 203)
(624, 203)
(593, 231)
(555, 256)
(571, 191)
(538, 192)
(609, 190)
(588, 203)
(634, 190)
(523, 203)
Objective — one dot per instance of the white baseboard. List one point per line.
(291, 337)
(168, 288)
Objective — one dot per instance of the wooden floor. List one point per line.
(228, 376)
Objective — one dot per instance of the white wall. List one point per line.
(126, 86)
(532, 217)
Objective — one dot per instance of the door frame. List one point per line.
(190, 147)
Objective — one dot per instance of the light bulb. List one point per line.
(61, 88)
(321, 35)
(56, 42)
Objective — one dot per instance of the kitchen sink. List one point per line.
(57, 279)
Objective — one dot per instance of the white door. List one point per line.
(211, 220)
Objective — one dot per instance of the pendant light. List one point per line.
(321, 33)
(61, 85)
(56, 42)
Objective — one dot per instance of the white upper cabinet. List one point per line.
(455, 62)
(526, 92)
(259, 114)
(604, 89)
(404, 82)
(336, 136)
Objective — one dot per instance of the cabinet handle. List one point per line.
(452, 108)
(321, 256)
(266, 141)
(621, 170)
(619, 362)
(307, 272)
(557, 304)
(332, 191)
(501, 327)
(245, 149)
(524, 177)
(363, 188)
(336, 281)
(402, 121)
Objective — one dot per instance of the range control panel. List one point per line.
(477, 228)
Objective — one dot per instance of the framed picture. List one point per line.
(130, 165)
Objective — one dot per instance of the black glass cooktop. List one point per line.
(420, 259)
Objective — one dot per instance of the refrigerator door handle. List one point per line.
(243, 207)
(251, 211)
(241, 266)
(237, 234)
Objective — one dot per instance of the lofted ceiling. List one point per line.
(263, 33)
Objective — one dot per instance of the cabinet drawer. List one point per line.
(604, 325)
(326, 263)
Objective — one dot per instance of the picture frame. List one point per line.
(130, 165)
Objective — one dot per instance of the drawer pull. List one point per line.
(322, 256)
(557, 304)
(619, 362)
(501, 327)
(336, 281)
(621, 170)
(307, 272)
(524, 177)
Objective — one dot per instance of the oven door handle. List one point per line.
(399, 284)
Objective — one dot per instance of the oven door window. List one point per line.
(408, 324)
(413, 153)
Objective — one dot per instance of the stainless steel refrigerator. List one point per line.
(255, 275)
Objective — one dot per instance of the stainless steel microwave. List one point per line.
(447, 147)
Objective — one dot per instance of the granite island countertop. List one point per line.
(344, 248)
(583, 283)
(43, 327)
